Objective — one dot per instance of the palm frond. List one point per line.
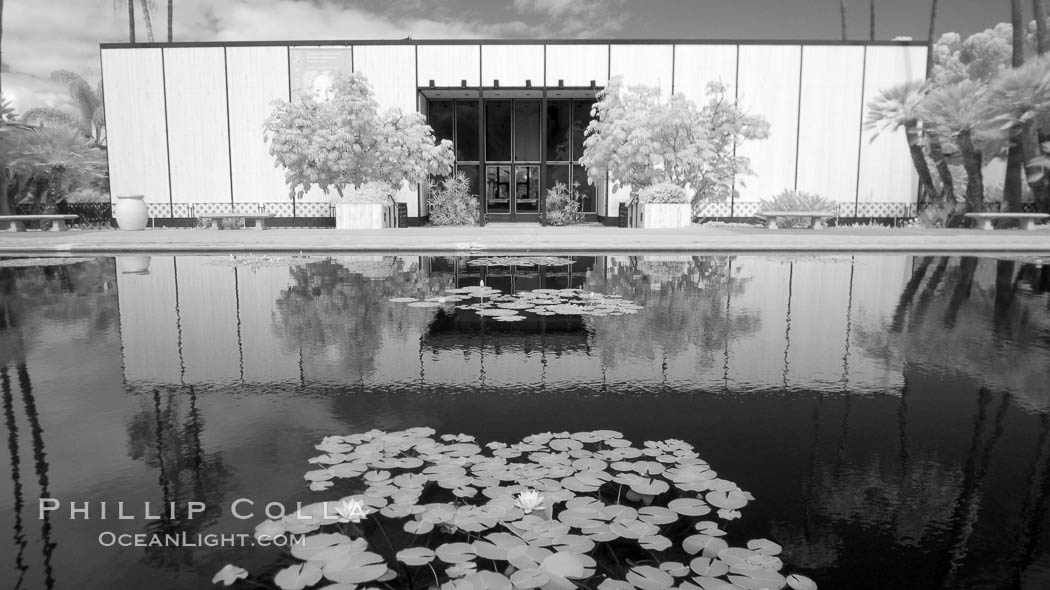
(52, 117)
(1021, 93)
(85, 97)
(896, 107)
(962, 106)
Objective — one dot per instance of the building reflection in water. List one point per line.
(890, 412)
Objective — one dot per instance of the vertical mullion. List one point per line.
(482, 155)
(513, 196)
(543, 151)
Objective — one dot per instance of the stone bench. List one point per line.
(984, 220)
(212, 219)
(817, 218)
(16, 222)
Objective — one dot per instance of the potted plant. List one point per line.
(661, 205)
(369, 207)
(344, 142)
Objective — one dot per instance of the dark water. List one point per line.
(890, 414)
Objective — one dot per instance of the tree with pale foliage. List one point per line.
(346, 142)
(640, 139)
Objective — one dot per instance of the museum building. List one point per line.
(185, 120)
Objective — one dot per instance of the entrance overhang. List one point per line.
(437, 92)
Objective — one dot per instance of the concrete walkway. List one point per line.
(512, 238)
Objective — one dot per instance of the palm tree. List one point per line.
(1, 39)
(898, 107)
(1015, 156)
(1020, 97)
(120, 4)
(842, 9)
(960, 112)
(91, 119)
(62, 158)
(929, 39)
(1042, 43)
(147, 10)
(872, 19)
(17, 160)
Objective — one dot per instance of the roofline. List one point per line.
(413, 42)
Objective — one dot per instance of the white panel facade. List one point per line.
(768, 86)
(255, 77)
(512, 65)
(829, 128)
(886, 173)
(149, 326)
(198, 136)
(448, 65)
(577, 65)
(650, 65)
(391, 70)
(695, 66)
(133, 83)
(211, 341)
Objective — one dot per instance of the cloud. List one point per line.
(27, 92)
(586, 18)
(40, 37)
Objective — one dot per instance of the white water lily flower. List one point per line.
(529, 500)
(229, 574)
(351, 510)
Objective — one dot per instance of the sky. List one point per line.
(42, 36)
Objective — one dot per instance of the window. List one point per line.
(497, 130)
(467, 143)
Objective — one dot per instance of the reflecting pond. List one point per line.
(890, 414)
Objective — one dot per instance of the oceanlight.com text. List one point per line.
(112, 539)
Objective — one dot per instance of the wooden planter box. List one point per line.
(660, 215)
(364, 216)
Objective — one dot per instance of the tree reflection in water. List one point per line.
(79, 294)
(929, 500)
(341, 310)
(166, 435)
(685, 301)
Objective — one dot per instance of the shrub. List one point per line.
(563, 207)
(793, 200)
(451, 202)
(663, 193)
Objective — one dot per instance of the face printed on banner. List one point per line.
(323, 87)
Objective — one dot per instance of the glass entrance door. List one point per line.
(512, 160)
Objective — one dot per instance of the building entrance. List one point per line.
(513, 148)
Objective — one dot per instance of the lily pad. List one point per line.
(650, 487)
(800, 582)
(764, 547)
(529, 578)
(297, 577)
(646, 577)
(689, 506)
(416, 556)
(456, 552)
